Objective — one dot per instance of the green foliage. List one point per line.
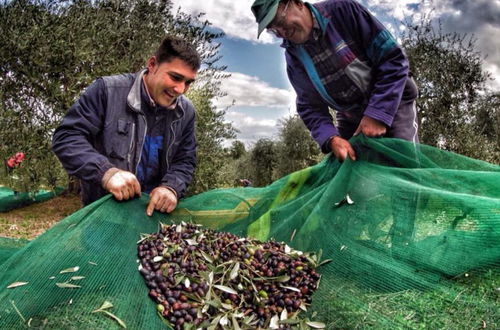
(211, 131)
(237, 149)
(263, 159)
(269, 160)
(52, 50)
(296, 148)
(448, 71)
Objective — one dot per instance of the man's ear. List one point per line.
(152, 63)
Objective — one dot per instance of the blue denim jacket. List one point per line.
(106, 128)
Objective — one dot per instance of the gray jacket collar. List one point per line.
(134, 96)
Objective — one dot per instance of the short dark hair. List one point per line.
(172, 47)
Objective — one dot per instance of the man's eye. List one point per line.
(176, 78)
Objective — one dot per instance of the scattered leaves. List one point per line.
(16, 284)
(70, 270)
(316, 325)
(77, 278)
(103, 309)
(225, 289)
(67, 285)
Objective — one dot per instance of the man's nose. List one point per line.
(281, 31)
(180, 87)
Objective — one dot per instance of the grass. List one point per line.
(30, 221)
(465, 302)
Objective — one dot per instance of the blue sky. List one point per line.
(258, 85)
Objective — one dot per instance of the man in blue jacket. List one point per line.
(341, 57)
(135, 132)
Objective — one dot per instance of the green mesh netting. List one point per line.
(414, 234)
(10, 199)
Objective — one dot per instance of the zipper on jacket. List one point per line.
(173, 141)
(142, 145)
(129, 154)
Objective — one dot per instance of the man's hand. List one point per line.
(371, 127)
(122, 184)
(161, 199)
(341, 148)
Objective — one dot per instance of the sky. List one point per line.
(258, 92)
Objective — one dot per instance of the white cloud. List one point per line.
(397, 9)
(495, 73)
(234, 17)
(251, 128)
(250, 91)
(478, 18)
(257, 106)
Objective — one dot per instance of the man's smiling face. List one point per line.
(168, 80)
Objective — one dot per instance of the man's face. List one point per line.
(168, 80)
(293, 22)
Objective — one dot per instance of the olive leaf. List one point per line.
(324, 262)
(207, 257)
(191, 242)
(282, 278)
(236, 325)
(346, 200)
(105, 305)
(103, 309)
(248, 320)
(216, 320)
(291, 288)
(227, 289)
(274, 324)
(70, 270)
(284, 314)
(16, 284)
(116, 318)
(316, 325)
(349, 200)
(224, 320)
(67, 285)
(234, 271)
(227, 306)
(157, 259)
(178, 279)
(77, 278)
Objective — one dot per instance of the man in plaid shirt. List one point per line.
(341, 57)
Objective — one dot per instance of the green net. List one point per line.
(413, 233)
(10, 199)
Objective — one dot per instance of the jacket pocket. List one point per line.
(120, 146)
(360, 74)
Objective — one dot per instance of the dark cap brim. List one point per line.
(268, 18)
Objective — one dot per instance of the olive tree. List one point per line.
(451, 81)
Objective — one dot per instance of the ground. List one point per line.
(31, 221)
